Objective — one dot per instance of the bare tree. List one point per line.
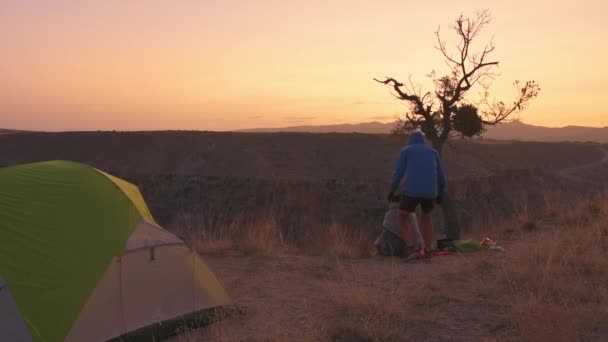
(437, 112)
(447, 111)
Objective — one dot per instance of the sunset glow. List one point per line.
(222, 65)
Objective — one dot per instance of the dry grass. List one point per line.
(263, 238)
(387, 308)
(538, 321)
(222, 234)
(549, 286)
(551, 283)
(559, 285)
(366, 310)
(368, 317)
(556, 278)
(553, 203)
(208, 234)
(343, 241)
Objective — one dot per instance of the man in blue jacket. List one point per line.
(424, 186)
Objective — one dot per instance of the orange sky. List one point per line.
(219, 65)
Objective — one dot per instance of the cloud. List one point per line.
(372, 103)
(298, 119)
(381, 118)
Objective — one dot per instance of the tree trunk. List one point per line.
(451, 226)
(450, 221)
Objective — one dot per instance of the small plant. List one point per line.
(344, 241)
(263, 237)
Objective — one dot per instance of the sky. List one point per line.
(235, 64)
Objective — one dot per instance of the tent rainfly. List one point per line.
(82, 259)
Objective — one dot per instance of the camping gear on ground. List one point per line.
(389, 242)
(491, 245)
(12, 326)
(82, 258)
(471, 245)
(487, 242)
(391, 222)
(422, 255)
(440, 253)
(466, 246)
(445, 244)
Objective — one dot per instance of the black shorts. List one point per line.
(409, 204)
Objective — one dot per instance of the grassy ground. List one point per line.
(286, 221)
(548, 286)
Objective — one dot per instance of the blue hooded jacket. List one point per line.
(421, 165)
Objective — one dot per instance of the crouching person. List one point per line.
(390, 242)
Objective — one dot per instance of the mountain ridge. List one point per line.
(515, 130)
(512, 131)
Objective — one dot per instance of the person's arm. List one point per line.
(399, 171)
(441, 179)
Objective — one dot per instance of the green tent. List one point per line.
(82, 259)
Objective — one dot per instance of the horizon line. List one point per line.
(265, 127)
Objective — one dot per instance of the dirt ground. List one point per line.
(306, 298)
(291, 298)
(460, 297)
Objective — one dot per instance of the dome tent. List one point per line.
(84, 260)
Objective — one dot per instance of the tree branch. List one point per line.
(498, 112)
(467, 29)
(441, 47)
(415, 99)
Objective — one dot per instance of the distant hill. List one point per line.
(9, 131)
(295, 156)
(515, 130)
(368, 127)
(518, 130)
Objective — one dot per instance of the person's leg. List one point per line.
(427, 230)
(427, 223)
(415, 231)
(406, 234)
(407, 206)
